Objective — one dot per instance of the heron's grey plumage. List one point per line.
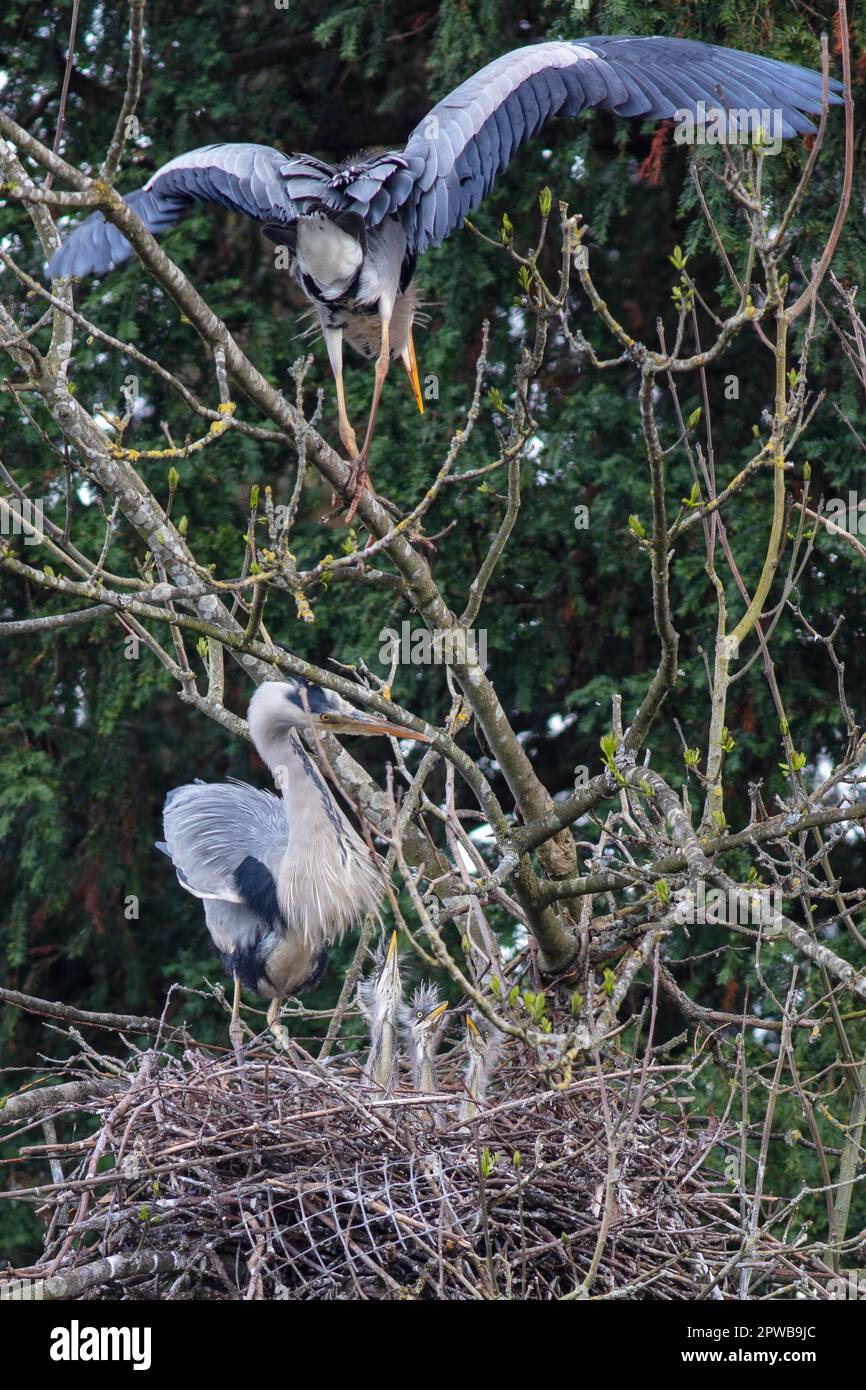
(454, 155)
(420, 1022)
(380, 997)
(483, 1045)
(353, 232)
(281, 877)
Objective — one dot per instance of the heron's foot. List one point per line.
(236, 1038)
(280, 1035)
(359, 481)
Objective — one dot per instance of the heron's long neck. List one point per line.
(476, 1084)
(306, 796)
(382, 1061)
(423, 1069)
(326, 878)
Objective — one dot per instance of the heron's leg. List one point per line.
(279, 1033)
(347, 434)
(334, 343)
(383, 362)
(236, 1035)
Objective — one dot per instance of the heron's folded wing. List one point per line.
(255, 180)
(226, 841)
(453, 157)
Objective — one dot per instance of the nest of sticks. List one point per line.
(181, 1174)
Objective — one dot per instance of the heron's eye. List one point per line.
(419, 1014)
(325, 718)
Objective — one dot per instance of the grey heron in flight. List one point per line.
(353, 232)
(483, 1043)
(380, 996)
(281, 877)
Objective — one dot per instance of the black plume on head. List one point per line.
(319, 700)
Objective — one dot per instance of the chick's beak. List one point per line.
(391, 968)
(436, 1013)
(407, 357)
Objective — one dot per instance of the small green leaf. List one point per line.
(694, 497)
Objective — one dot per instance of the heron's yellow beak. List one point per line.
(368, 724)
(436, 1013)
(407, 357)
(392, 948)
(472, 1026)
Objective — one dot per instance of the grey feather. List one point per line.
(506, 103)
(252, 179)
(212, 828)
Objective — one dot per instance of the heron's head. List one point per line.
(482, 1039)
(420, 1018)
(277, 707)
(380, 994)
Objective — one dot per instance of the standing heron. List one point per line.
(353, 232)
(380, 996)
(281, 877)
(419, 1022)
(483, 1042)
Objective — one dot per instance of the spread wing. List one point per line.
(256, 180)
(454, 156)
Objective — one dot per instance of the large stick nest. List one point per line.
(189, 1176)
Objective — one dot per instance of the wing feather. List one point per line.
(211, 829)
(256, 180)
(453, 156)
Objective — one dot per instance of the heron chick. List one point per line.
(419, 1024)
(380, 996)
(483, 1043)
(281, 877)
